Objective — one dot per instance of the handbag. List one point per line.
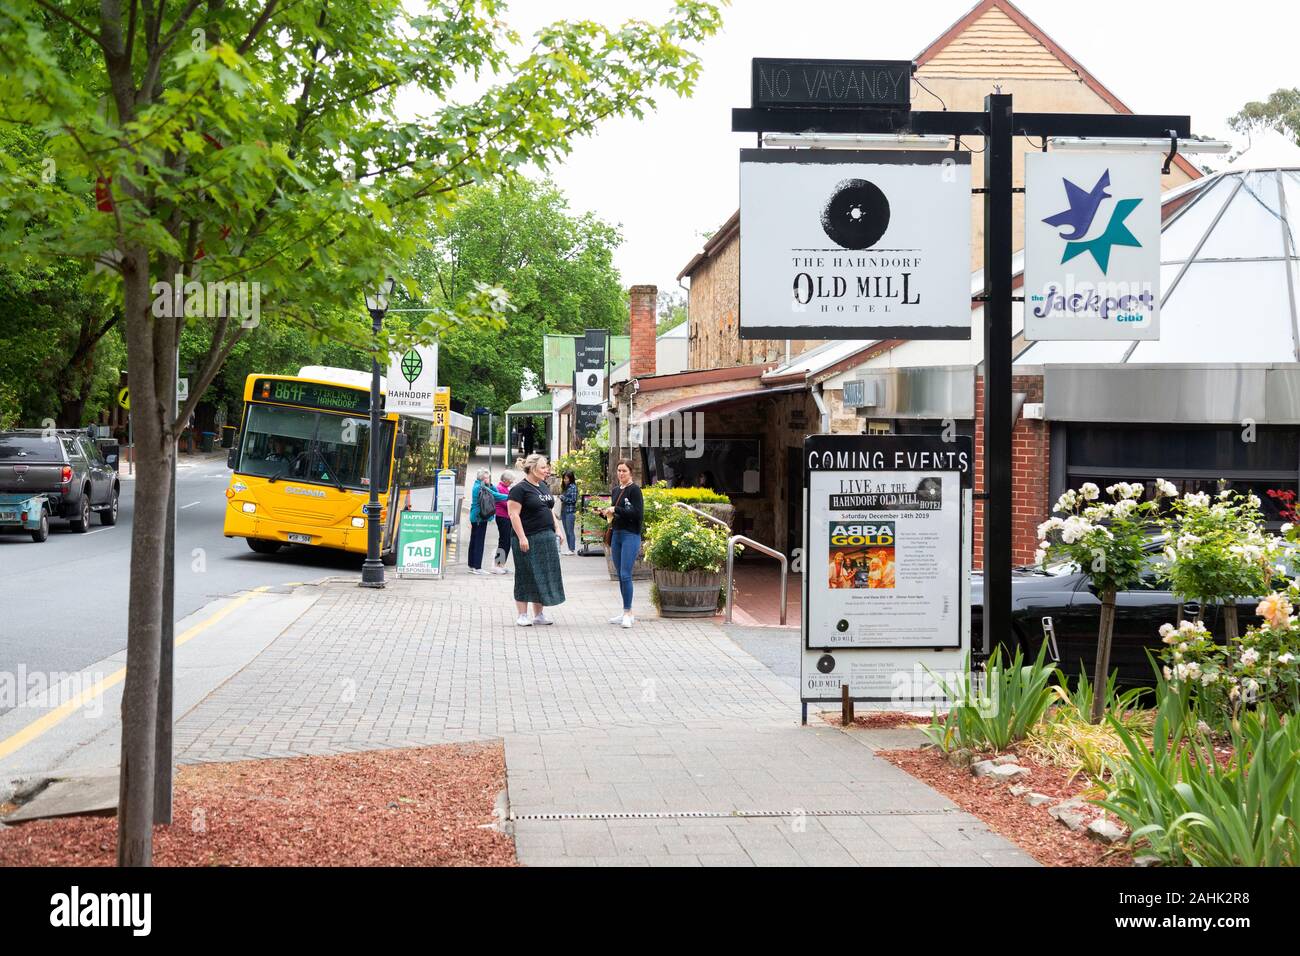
(609, 529)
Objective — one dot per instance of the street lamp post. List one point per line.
(372, 570)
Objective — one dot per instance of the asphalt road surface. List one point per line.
(63, 603)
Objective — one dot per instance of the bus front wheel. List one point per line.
(263, 547)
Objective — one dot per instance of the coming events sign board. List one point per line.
(886, 564)
(1092, 245)
(857, 244)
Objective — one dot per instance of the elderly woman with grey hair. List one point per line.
(538, 583)
(483, 499)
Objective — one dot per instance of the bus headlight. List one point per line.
(358, 522)
(249, 507)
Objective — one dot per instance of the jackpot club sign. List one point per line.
(1092, 246)
(854, 244)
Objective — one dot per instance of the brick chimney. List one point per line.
(644, 300)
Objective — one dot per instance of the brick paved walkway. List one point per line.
(664, 744)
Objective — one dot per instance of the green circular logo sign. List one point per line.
(412, 366)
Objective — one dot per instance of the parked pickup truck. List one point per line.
(64, 466)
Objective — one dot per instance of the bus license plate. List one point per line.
(300, 538)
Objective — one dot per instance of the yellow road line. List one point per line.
(65, 710)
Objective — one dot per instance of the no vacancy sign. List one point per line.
(1092, 246)
(854, 244)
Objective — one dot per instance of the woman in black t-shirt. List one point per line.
(535, 545)
(626, 515)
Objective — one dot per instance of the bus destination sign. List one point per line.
(847, 84)
(312, 395)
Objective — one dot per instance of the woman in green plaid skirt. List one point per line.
(536, 546)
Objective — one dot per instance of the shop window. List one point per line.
(1151, 448)
(732, 466)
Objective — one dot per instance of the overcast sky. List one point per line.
(671, 177)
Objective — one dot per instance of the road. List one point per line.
(65, 601)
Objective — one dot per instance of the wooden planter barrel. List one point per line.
(687, 594)
(640, 568)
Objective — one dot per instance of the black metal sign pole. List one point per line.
(999, 126)
(996, 464)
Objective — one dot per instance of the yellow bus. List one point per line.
(302, 463)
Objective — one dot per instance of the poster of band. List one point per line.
(887, 552)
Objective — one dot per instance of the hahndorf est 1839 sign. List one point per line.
(1092, 245)
(854, 244)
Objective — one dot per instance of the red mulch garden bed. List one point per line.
(1030, 828)
(878, 720)
(428, 806)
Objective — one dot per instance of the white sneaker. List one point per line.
(477, 571)
(542, 619)
(616, 619)
(523, 620)
(499, 570)
(627, 620)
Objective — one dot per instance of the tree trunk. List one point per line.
(1230, 619)
(150, 353)
(1102, 673)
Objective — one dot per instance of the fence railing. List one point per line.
(732, 541)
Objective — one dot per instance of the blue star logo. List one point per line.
(1078, 219)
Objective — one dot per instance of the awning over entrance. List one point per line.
(711, 400)
(537, 405)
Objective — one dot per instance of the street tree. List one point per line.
(556, 267)
(241, 147)
(1281, 112)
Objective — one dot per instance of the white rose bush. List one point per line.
(1218, 552)
(1107, 540)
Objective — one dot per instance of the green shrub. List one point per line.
(1124, 706)
(1013, 701)
(1185, 808)
(679, 541)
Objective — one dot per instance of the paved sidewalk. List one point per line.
(670, 743)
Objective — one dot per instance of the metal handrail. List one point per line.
(731, 564)
(703, 514)
(732, 541)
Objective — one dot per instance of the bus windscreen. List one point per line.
(303, 445)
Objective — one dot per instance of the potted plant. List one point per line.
(688, 556)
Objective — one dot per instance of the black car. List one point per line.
(1057, 604)
(67, 467)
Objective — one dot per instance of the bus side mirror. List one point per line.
(399, 450)
(232, 457)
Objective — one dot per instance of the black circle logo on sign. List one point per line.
(856, 215)
(591, 380)
(842, 625)
(826, 663)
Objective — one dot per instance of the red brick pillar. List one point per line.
(1030, 468)
(644, 302)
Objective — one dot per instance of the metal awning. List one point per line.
(712, 400)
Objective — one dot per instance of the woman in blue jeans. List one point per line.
(626, 513)
(569, 509)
